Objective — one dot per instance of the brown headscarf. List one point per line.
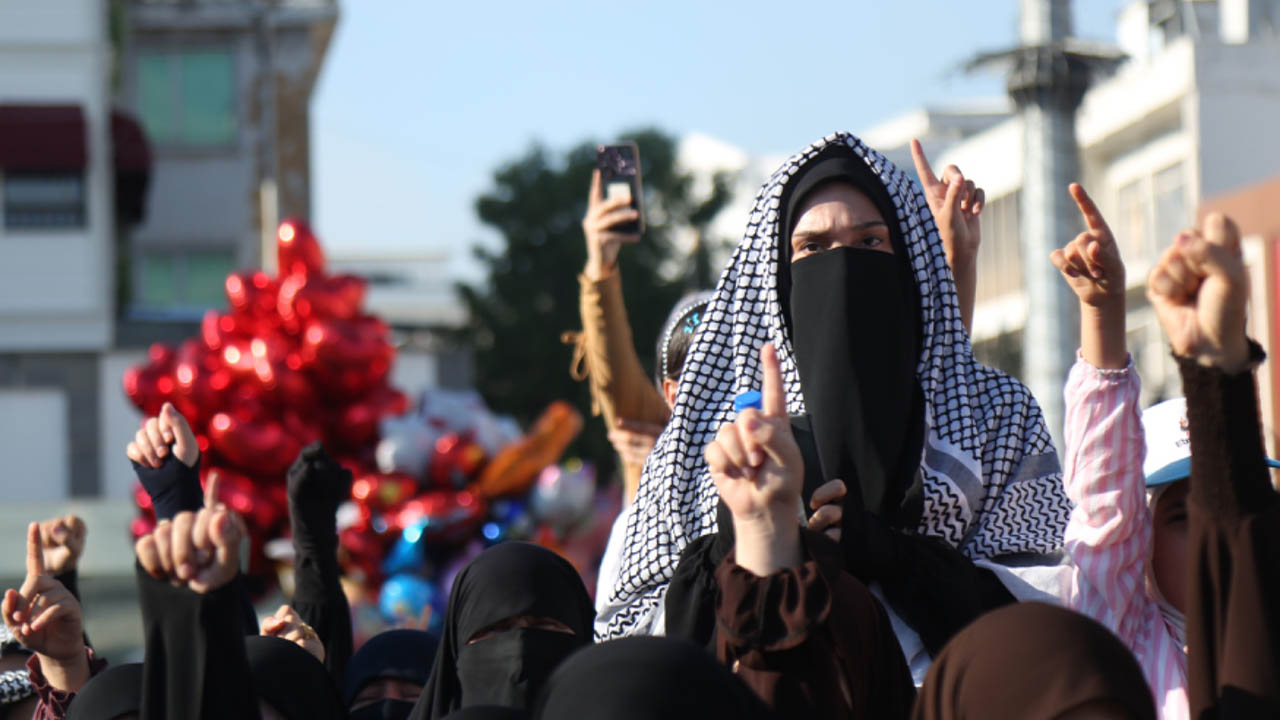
(1032, 661)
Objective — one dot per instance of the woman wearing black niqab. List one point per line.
(646, 678)
(402, 657)
(948, 465)
(514, 613)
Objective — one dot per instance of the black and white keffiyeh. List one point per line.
(15, 686)
(992, 482)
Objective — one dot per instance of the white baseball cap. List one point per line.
(1169, 443)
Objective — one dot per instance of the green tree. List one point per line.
(530, 296)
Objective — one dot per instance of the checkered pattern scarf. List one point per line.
(992, 481)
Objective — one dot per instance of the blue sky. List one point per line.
(419, 102)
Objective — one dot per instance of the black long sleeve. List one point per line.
(317, 484)
(1233, 613)
(173, 486)
(195, 664)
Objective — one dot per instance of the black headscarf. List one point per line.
(647, 678)
(854, 321)
(1032, 661)
(292, 680)
(111, 693)
(398, 654)
(509, 580)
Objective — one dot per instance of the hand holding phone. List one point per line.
(613, 216)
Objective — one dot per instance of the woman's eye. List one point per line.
(810, 247)
(871, 242)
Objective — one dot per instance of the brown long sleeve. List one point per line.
(1233, 614)
(811, 640)
(620, 388)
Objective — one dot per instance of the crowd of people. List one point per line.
(833, 509)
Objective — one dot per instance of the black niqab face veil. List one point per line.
(509, 667)
(854, 321)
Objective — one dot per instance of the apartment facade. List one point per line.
(1186, 117)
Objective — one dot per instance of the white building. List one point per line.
(1190, 115)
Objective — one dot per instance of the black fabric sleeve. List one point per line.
(173, 486)
(195, 664)
(317, 485)
(931, 585)
(1233, 512)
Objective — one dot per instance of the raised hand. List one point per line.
(317, 485)
(1200, 291)
(286, 624)
(603, 242)
(151, 444)
(1091, 265)
(956, 204)
(198, 550)
(61, 543)
(758, 470)
(634, 440)
(43, 615)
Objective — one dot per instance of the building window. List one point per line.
(1170, 203)
(43, 200)
(187, 98)
(182, 281)
(1132, 226)
(1000, 255)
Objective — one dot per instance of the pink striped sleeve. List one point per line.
(1109, 534)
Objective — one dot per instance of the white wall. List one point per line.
(119, 422)
(33, 445)
(56, 286)
(1238, 103)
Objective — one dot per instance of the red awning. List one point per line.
(42, 137)
(129, 143)
(133, 167)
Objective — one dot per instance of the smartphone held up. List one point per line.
(620, 177)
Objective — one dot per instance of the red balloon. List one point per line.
(297, 250)
(449, 516)
(456, 462)
(142, 525)
(252, 294)
(256, 502)
(263, 448)
(383, 491)
(304, 297)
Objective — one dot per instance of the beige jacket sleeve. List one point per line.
(606, 356)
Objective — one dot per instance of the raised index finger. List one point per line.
(1092, 216)
(35, 557)
(923, 168)
(774, 396)
(596, 196)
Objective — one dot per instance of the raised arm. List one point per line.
(805, 635)
(1109, 534)
(45, 617)
(195, 664)
(317, 486)
(956, 204)
(1199, 290)
(620, 388)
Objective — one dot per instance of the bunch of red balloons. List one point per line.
(294, 359)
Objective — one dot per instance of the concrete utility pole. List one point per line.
(1047, 77)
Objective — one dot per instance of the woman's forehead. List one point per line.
(836, 203)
